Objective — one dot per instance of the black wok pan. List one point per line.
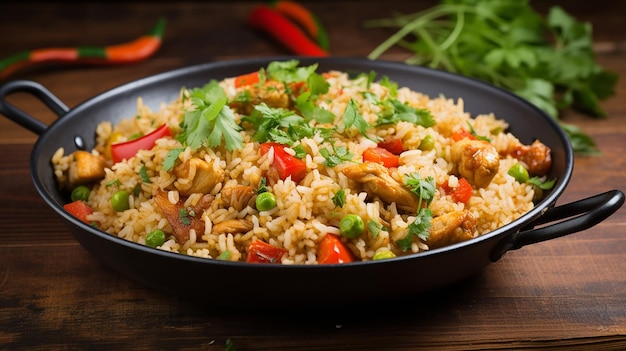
(230, 283)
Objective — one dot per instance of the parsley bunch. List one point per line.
(547, 60)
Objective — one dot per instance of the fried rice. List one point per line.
(306, 210)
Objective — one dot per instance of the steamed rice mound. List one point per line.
(305, 211)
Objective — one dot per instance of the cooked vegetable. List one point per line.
(262, 252)
(155, 238)
(332, 250)
(351, 226)
(81, 192)
(547, 60)
(381, 255)
(247, 79)
(128, 149)
(463, 191)
(130, 52)
(79, 209)
(427, 144)
(120, 201)
(381, 156)
(519, 172)
(392, 145)
(286, 165)
(265, 201)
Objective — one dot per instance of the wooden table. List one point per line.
(565, 293)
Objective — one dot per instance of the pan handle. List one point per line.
(570, 218)
(22, 118)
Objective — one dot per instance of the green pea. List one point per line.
(265, 201)
(119, 201)
(351, 226)
(427, 144)
(81, 192)
(519, 172)
(381, 255)
(155, 238)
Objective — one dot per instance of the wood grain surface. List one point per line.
(566, 293)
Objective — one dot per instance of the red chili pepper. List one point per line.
(286, 32)
(285, 164)
(307, 20)
(332, 250)
(382, 156)
(128, 149)
(130, 52)
(262, 252)
(79, 209)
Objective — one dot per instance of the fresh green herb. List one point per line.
(299, 150)
(352, 118)
(339, 199)
(547, 60)
(262, 186)
(374, 228)
(114, 182)
(479, 137)
(211, 121)
(337, 156)
(289, 71)
(425, 190)
(171, 157)
(183, 216)
(395, 111)
(143, 173)
(305, 105)
(543, 185)
(419, 227)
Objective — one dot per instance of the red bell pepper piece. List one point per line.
(287, 33)
(462, 134)
(382, 156)
(247, 79)
(392, 145)
(286, 165)
(128, 149)
(332, 250)
(262, 252)
(463, 191)
(79, 209)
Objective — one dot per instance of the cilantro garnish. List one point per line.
(425, 190)
(183, 216)
(478, 137)
(339, 199)
(289, 71)
(548, 60)
(352, 118)
(374, 228)
(143, 173)
(209, 123)
(395, 111)
(337, 156)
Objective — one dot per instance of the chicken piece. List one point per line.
(183, 219)
(537, 157)
(475, 160)
(238, 196)
(85, 167)
(271, 93)
(451, 228)
(376, 181)
(202, 175)
(233, 226)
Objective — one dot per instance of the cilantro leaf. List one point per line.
(210, 121)
(337, 156)
(289, 71)
(395, 111)
(339, 199)
(352, 118)
(374, 228)
(419, 227)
